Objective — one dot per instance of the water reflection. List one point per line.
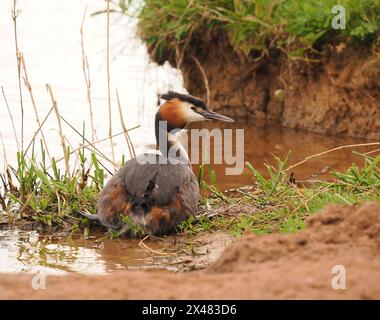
(28, 252)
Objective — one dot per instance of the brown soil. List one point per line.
(340, 94)
(266, 267)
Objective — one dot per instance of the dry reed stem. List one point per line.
(12, 121)
(109, 82)
(15, 14)
(127, 137)
(101, 163)
(86, 73)
(70, 153)
(144, 246)
(3, 204)
(38, 130)
(4, 152)
(96, 142)
(90, 144)
(26, 203)
(372, 151)
(29, 87)
(331, 150)
(205, 80)
(63, 143)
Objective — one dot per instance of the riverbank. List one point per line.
(254, 267)
(264, 62)
(338, 94)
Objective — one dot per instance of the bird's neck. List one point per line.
(167, 141)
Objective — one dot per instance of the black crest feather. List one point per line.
(184, 97)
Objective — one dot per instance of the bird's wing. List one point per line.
(156, 181)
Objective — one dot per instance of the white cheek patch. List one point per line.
(189, 114)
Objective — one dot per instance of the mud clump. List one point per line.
(337, 92)
(339, 232)
(276, 266)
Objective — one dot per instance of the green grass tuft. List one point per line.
(292, 25)
(37, 192)
(278, 205)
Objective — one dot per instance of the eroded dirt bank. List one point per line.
(266, 267)
(340, 94)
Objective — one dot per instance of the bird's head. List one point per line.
(180, 109)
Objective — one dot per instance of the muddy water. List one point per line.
(28, 252)
(50, 40)
(263, 141)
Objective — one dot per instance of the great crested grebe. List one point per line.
(152, 191)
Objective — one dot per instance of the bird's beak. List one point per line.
(216, 116)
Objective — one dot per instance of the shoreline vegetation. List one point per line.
(254, 27)
(32, 192)
(48, 191)
(286, 61)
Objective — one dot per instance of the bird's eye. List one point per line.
(193, 108)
